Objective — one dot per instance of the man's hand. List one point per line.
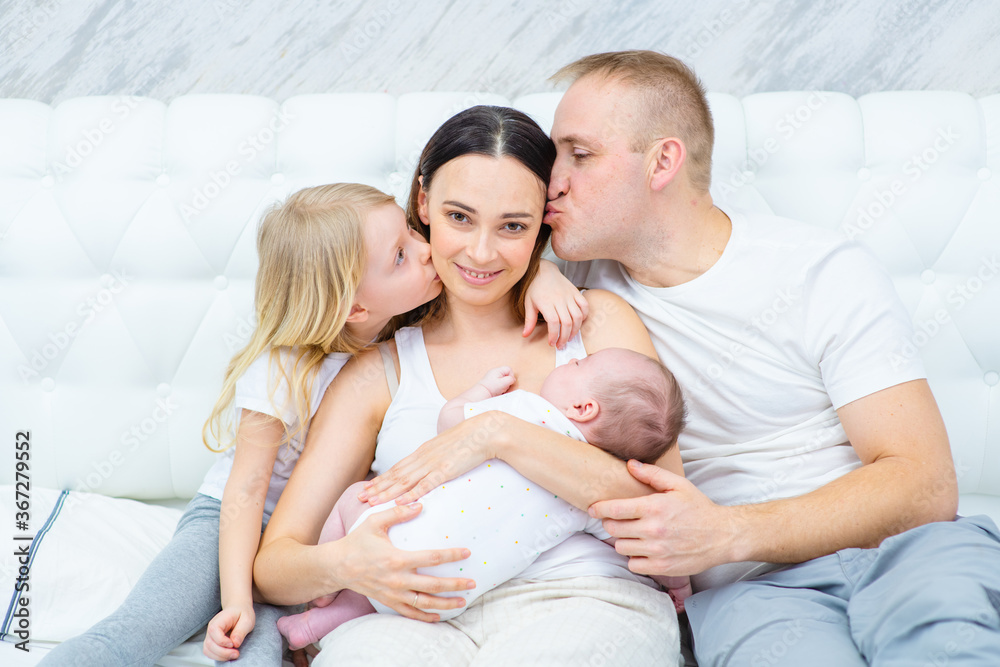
(676, 531)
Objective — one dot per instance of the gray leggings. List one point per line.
(175, 597)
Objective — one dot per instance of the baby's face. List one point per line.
(573, 383)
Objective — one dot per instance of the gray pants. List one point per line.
(175, 597)
(928, 597)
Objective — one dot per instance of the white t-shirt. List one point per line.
(253, 393)
(790, 324)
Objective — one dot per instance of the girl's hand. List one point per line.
(372, 566)
(559, 302)
(226, 632)
(452, 453)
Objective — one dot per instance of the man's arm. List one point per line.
(907, 479)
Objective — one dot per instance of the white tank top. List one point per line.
(411, 420)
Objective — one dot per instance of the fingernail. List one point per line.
(634, 463)
(470, 586)
(466, 553)
(592, 512)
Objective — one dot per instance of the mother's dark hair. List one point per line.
(494, 132)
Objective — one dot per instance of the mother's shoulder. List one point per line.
(612, 322)
(606, 304)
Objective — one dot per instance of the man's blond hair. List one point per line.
(669, 99)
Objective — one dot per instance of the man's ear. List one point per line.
(666, 158)
(358, 314)
(583, 412)
(422, 202)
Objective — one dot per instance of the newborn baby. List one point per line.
(621, 401)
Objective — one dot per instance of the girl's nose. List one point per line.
(422, 249)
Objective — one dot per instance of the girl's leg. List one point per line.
(175, 597)
(262, 647)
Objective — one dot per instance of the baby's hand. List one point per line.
(498, 380)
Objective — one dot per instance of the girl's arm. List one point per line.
(580, 473)
(558, 300)
(257, 443)
(291, 568)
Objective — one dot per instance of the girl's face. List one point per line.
(484, 215)
(399, 275)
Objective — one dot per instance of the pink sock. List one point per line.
(312, 625)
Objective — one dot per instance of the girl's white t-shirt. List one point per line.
(253, 392)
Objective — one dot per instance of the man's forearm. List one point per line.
(860, 509)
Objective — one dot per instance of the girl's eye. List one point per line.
(514, 227)
(459, 217)
(400, 256)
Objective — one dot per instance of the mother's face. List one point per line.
(484, 215)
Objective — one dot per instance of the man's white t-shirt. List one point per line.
(790, 324)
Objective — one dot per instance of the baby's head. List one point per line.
(622, 401)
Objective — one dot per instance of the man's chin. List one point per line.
(569, 252)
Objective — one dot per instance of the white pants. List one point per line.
(585, 621)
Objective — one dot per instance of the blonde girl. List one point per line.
(337, 265)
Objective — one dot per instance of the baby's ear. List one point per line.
(583, 412)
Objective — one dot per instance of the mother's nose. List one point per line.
(481, 247)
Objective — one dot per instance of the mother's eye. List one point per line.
(458, 217)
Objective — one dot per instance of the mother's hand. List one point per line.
(452, 453)
(374, 568)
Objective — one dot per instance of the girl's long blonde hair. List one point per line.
(312, 259)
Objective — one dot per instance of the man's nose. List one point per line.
(558, 183)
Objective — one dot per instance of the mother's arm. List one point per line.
(580, 473)
(290, 567)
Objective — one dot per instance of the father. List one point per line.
(806, 444)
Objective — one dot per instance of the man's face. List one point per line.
(598, 185)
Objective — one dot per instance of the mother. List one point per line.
(479, 197)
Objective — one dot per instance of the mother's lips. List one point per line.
(477, 274)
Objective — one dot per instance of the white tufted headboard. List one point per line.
(127, 256)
